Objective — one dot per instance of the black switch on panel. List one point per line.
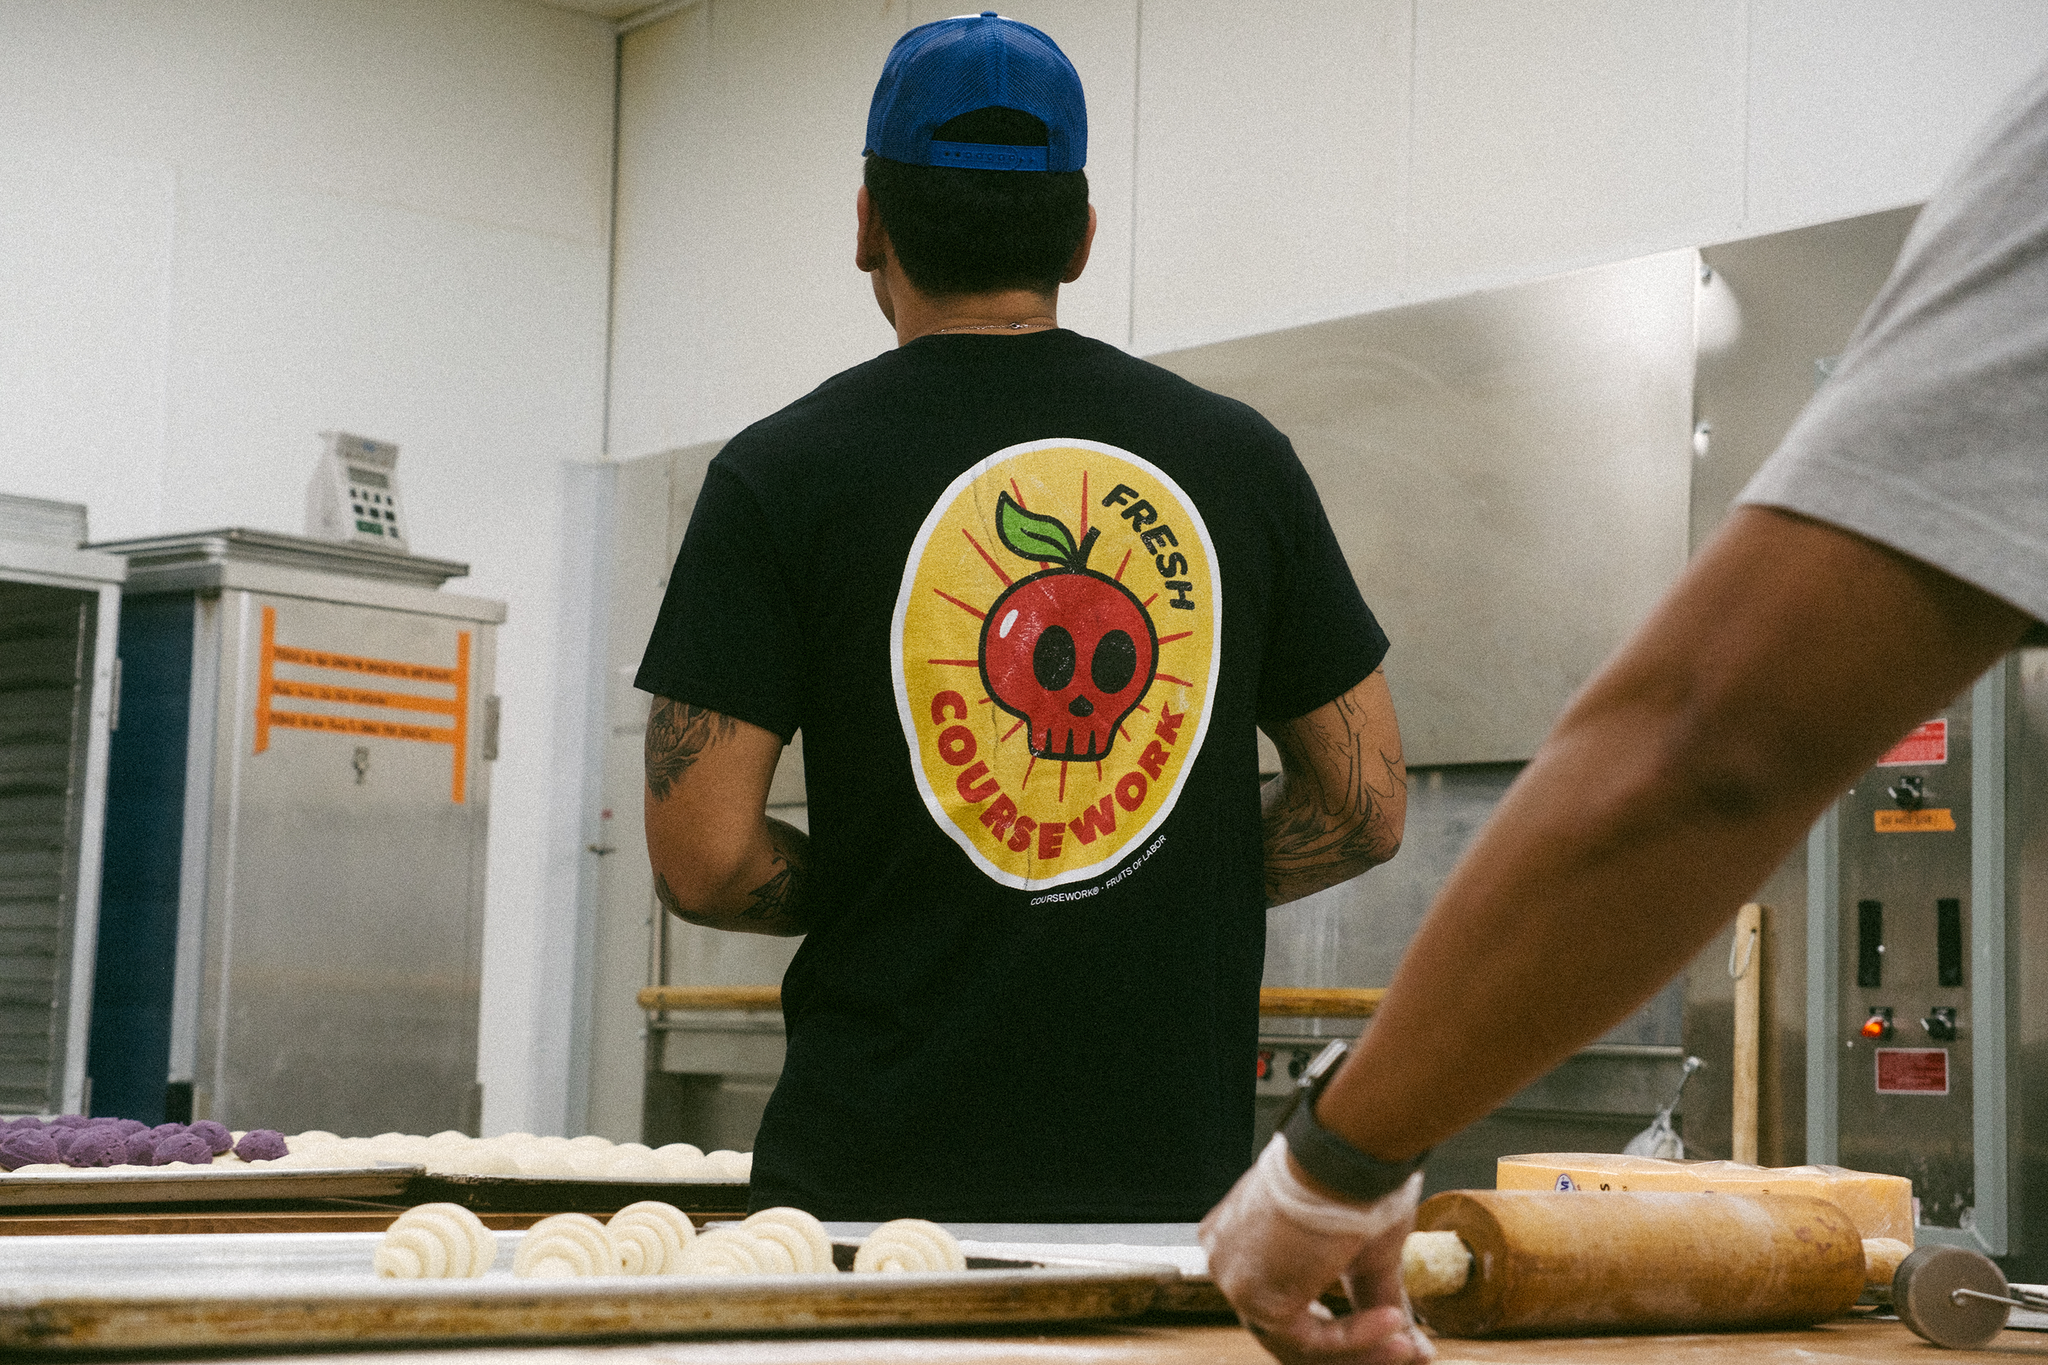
(1948, 940)
(1869, 944)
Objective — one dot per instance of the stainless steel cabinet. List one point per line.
(59, 606)
(300, 804)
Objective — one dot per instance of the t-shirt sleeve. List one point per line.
(1321, 638)
(726, 636)
(1932, 435)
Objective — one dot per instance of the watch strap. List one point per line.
(1332, 1162)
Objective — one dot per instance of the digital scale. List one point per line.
(353, 495)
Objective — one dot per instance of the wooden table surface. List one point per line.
(1860, 1343)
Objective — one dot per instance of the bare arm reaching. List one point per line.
(1779, 668)
(1341, 799)
(1781, 665)
(719, 860)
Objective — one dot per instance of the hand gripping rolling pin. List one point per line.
(1539, 1263)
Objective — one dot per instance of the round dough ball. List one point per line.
(726, 1165)
(650, 1236)
(1434, 1264)
(566, 1245)
(800, 1234)
(909, 1245)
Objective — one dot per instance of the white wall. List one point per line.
(1261, 166)
(225, 226)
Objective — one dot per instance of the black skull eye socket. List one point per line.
(1115, 662)
(1053, 657)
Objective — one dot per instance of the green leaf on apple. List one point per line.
(1031, 536)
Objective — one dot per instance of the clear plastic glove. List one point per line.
(1275, 1244)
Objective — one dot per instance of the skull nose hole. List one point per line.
(1115, 662)
(1053, 658)
(1081, 706)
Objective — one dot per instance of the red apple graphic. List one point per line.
(1068, 651)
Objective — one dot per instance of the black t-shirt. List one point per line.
(1026, 598)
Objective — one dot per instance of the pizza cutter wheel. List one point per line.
(1955, 1297)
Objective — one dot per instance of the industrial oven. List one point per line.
(59, 606)
(1927, 934)
(298, 803)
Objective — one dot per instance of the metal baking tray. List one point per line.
(286, 1290)
(202, 1184)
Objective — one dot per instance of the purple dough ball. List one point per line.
(218, 1138)
(27, 1147)
(141, 1148)
(164, 1130)
(69, 1121)
(129, 1127)
(101, 1145)
(61, 1139)
(188, 1147)
(26, 1123)
(261, 1144)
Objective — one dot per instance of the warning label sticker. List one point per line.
(1928, 743)
(1912, 1071)
(1940, 821)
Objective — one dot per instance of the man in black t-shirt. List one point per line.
(1027, 598)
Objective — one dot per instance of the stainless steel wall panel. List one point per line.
(1771, 307)
(1507, 473)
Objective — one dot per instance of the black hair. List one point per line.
(969, 231)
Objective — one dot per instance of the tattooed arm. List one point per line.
(1341, 798)
(719, 860)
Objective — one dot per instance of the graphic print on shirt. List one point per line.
(1055, 646)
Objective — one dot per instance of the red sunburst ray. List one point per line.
(985, 556)
(976, 612)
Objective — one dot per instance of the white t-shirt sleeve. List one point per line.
(1932, 435)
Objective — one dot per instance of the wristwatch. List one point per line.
(1329, 1160)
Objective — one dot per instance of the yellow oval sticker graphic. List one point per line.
(1055, 645)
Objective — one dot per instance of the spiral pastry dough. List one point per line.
(801, 1235)
(435, 1242)
(564, 1246)
(909, 1244)
(650, 1237)
(734, 1251)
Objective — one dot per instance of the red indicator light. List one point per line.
(1875, 1027)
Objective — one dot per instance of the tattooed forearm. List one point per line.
(677, 734)
(779, 905)
(781, 900)
(1338, 806)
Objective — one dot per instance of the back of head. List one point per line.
(976, 138)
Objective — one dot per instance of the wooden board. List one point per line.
(78, 1189)
(91, 1306)
(533, 1194)
(132, 1223)
(1279, 1002)
(1147, 1343)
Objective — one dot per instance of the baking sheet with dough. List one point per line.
(286, 1290)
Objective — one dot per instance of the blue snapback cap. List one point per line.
(942, 70)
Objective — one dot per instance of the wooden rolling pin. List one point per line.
(1543, 1263)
